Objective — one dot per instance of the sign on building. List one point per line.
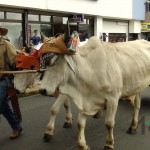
(76, 18)
(145, 26)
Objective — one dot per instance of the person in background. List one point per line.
(20, 41)
(7, 61)
(6, 38)
(35, 40)
(83, 35)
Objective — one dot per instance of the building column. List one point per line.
(25, 28)
(98, 26)
(135, 27)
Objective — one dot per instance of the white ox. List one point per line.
(26, 80)
(97, 76)
(23, 81)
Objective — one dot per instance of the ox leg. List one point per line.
(110, 122)
(81, 136)
(49, 131)
(134, 125)
(68, 118)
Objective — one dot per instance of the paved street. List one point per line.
(35, 111)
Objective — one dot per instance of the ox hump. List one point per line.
(92, 44)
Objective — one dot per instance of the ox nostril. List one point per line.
(42, 91)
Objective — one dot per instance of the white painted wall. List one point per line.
(105, 8)
(138, 6)
(115, 27)
(98, 26)
(40, 4)
(134, 26)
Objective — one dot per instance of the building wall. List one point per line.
(131, 11)
(134, 26)
(147, 17)
(106, 8)
(115, 27)
(138, 9)
(120, 27)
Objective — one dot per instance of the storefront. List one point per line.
(145, 30)
(115, 30)
(50, 18)
(26, 21)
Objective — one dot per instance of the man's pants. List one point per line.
(5, 107)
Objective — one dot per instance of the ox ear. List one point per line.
(70, 62)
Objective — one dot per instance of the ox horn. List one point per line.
(22, 72)
(43, 37)
(67, 33)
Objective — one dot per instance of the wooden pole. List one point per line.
(22, 72)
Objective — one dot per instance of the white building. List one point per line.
(114, 20)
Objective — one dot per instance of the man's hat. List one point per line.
(3, 31)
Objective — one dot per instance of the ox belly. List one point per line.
(89, 105)
(135, 83)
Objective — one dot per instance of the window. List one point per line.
(14, 16)
(1, 15)
(13, 32)
(147, 6)
(117, 37)
(45, 18)
(33, 17)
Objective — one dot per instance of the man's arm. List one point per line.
(11, 53)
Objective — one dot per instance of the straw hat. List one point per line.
(3, 31)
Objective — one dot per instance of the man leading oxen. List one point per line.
(97, 76)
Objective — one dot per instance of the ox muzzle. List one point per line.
(43, 92)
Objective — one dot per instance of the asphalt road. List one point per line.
(35, 111)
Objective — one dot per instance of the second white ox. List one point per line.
(22, 81)
(97, 76)
(26, 80)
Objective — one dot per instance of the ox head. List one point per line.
(53, 75)
(56, 74)
(24, 81)
(24, 78)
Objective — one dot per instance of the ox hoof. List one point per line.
(131, 131)
(88, 148)
(107, 148)
(67, 125)
(97, 115)
(47, 137)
